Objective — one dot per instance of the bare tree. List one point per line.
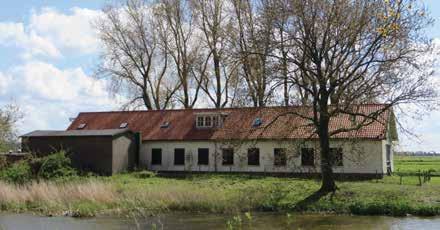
(213, 21)
(185, 50)
(254, 24)
(352, 52)
(133, 57)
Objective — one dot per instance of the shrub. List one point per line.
(144, 174)
(18, 173)
(3, 162)
(56, 165)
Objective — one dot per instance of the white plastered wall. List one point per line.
(360, 156)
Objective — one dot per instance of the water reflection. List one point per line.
(188, 221)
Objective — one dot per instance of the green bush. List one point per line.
(56, 165)
(18, 173)
(3, 162)
(381, 208)
(144, 174)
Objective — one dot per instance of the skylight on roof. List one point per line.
(123, 125)
(82, 126)
(257, 122)
(166, 124)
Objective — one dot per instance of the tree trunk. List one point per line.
(218, 92)
(328, 182)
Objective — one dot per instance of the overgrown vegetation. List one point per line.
(218, 194)
(214, 193)
(53, 166)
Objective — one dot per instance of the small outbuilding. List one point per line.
(105, 151)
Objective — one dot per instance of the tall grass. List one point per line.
(123, 194)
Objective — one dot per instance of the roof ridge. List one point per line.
(211, 109)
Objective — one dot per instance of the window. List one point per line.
(257, 122)
(179, 156)
(215, 121)
(123, 125)
(203, 157)
(164, 125)
(200, 121)
(280, 158)
(228, 156)
(208, 121)
(82, 126)
(336, 157)
(253, 156)
(307, 157)
(156, 156)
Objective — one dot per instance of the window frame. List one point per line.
(200, 121)
(215, 121)
(208, 122)
(226, 163)
(153, 154)
(250, 159)
(281, 152)
(199, 153)
(310, 151)
(183, 157)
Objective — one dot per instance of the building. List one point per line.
(271, 139)
(105, 151)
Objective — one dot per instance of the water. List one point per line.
(188, 221)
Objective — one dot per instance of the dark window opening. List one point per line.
(203, 158)
(156, 156)
(307, 157)
(280, 157)
(254, 156)
(336, 157)
(228, 156)
(179, 156)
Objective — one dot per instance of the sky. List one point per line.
(48, 52)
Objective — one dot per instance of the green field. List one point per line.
(416, 163)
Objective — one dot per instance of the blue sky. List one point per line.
(49, 50)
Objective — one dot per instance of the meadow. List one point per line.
(145, 192)
(417, 163)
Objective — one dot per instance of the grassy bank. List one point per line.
(127, 193)
(122, 194)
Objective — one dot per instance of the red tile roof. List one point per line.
(238, 123)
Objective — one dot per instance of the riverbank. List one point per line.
(137, 192)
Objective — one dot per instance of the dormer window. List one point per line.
(200, 121)
(123, 125)
(208, 120)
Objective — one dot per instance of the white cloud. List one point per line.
(71, 32)
(45, 81)
(4, 82)
(51, 33)
(48, 96)
(14, 34)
